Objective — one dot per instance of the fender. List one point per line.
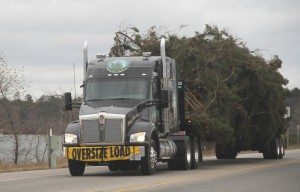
(143, 126)
(73, 128)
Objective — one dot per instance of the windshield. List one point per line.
(121, 88)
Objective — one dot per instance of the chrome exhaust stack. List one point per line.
(165, 82)
(163, 57)
(85, 59)
(169, 83)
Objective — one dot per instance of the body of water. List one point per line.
(32, 148)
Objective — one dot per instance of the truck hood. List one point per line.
(124, 107)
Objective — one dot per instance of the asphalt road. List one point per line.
(249, 172)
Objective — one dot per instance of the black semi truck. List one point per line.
(132, 116)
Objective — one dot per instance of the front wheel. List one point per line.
(113, 167)
(76, 168)
(148, 163)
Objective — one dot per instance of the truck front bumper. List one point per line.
(103, 154)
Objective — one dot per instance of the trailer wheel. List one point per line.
(219, 152)
(282, 149)
(272, 151)
(184, 157)
(148, 163)
(196, 153)
(76, 168)
(230, 153)
(227, 152)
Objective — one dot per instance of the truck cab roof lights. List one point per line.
(122, 74)
(100, 57)
(144, 74)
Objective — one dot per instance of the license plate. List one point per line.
(103, 153)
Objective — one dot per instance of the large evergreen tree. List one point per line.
(241, 92)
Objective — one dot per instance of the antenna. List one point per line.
(74, 79)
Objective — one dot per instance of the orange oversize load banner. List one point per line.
(103, 153)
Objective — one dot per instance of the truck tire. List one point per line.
(172, 164)
(272, 150)
(282, 149)
(113, 167)
(227, 152)
(184, 156)
(76, 168)
(230, 153)
(196, 153)
(219, 152)
(148, 163)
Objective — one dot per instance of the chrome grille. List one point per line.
(90, 131)
(94, 133)
(113, 130)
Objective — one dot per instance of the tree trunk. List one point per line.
(16, 150)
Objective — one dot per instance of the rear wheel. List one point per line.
(76, 168)
(148, 163)
(219, 152)
(196, 153)
(172, 164)
(184, 157)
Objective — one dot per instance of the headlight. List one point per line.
(70, 138)
(138, 137)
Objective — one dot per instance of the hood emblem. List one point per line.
(101, 119)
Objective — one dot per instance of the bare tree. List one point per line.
(11, 84)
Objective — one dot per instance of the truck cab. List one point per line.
(129, 117)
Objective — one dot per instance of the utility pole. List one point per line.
(298, 135)
(287, 115)
(53, 144)
(287, 136)
(74, 79)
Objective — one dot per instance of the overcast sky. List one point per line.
(46, 37)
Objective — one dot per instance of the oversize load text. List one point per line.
(100, 153)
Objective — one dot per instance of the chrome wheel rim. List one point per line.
(196, 151)
(278, 146)
(188, 153)
(153, 157)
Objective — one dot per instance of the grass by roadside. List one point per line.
(4, 168)
(296, 146)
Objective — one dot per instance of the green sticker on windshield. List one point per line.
(117, 66)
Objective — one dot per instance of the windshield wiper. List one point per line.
(94, 99)
(120, 98)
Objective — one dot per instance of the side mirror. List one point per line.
(165, 98)
(68, 101)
